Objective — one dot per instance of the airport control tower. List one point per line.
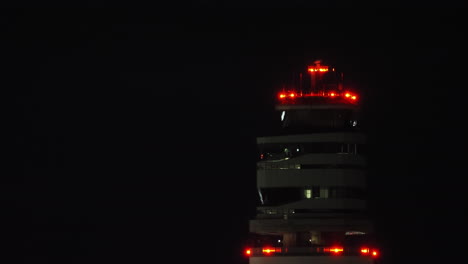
(311, 178)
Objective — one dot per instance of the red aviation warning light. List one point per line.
(293, 96)
(334, 250)
(317, 68)
(270, 250)
(369, 252)
(350, 96)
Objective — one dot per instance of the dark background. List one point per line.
(134, 130)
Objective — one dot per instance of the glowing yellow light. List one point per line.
(336, 249)
(320, 69)
(269, 250)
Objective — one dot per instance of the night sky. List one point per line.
(134, 130)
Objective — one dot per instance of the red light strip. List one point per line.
(332, 250)
(336, 250)
(270, 250)
(292, 95)
(319, 69)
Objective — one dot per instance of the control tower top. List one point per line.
(319, 102)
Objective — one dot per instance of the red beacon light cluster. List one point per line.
(318, 69)
(292, 95)
(369, 252)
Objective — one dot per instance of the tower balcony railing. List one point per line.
(313, 160)
(274, 213)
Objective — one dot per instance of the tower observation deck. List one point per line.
(311, 179)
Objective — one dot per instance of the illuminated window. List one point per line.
(313, 192)
(323, 192)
